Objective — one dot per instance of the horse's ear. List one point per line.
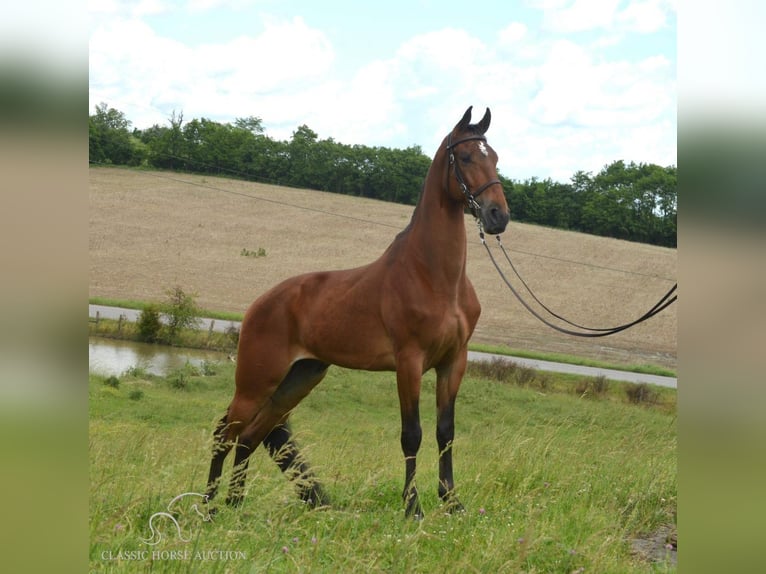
(463, 124)
(483, 125)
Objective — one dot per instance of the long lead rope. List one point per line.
(663, 303)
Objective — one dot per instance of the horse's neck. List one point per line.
(437, 234)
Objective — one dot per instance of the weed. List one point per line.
(139, 371)
(112, 381)
(524, 375)
(178, 379)
(592, 386)
(192, 370)
(209, 368)
(507, 371)
(260, 252)
(232, 333)
(544, 381)
(496, 369)
(136, 395)
(640, 393)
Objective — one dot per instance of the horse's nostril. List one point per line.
(495, 214)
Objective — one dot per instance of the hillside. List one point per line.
(150, 231)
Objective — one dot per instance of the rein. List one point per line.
(664, 302)
(582, 331)
(473, 205)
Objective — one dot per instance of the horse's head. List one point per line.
(472, 173)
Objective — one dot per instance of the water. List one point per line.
(114, 357)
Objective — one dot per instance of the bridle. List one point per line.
(470, 198)
(579, 330)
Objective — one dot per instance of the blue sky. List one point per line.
(572, 84)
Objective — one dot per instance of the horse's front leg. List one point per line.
(408, 376)
(448, 381)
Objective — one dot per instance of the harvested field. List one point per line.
(150, 231)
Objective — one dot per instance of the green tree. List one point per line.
(166, 144)
(109, 139)
(303, 165)
(181, 312)
(632, 201)
(251, 124)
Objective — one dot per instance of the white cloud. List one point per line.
(206, 5)
(645, 17)
(580, 15)
(128, 8)
(576, 89)
(558, 105)
(568, 16)
(512, 34)
(154, 75)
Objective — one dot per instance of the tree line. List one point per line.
(636, 202)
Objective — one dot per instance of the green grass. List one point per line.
(552, 482)
(496, 349)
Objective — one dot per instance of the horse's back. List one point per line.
(333, 316)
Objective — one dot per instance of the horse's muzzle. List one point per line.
(494, 218)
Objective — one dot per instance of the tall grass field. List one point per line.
(554, 482)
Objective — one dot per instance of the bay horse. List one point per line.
(411, 310)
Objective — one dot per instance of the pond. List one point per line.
(114, 357)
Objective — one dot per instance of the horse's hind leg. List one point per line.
(220, 449)
(282, 448)
(237, 486)
(303, 376)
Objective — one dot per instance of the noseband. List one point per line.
(473, 205)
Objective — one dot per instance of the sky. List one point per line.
(572, 84)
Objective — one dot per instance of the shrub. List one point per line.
(149, 324)
(139, 371)
(233, 335)
(178, 379)
(496, 369)
(543, 381)
(641, 393)
(524, 376)
(209, 368)
(136, 395)
(191, 370)
(112, 381)
(593, 386)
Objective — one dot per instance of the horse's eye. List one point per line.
(465, 157)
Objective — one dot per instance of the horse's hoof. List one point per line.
(416, 515)
(315, 497)
(414, 511)
(454, 507)
(450, 502)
